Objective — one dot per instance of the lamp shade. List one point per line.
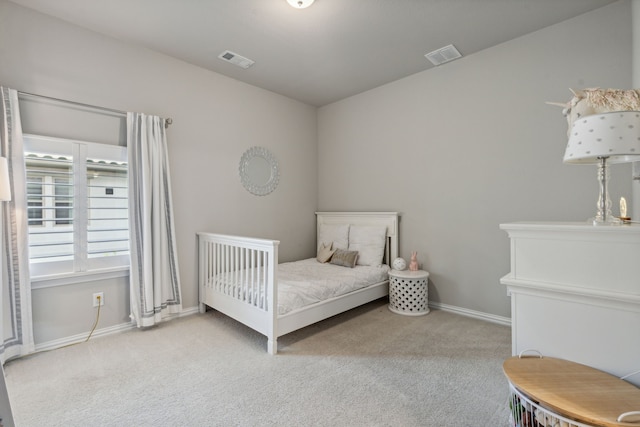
(614, 136)
(5, 190)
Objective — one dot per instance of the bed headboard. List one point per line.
(388, 219)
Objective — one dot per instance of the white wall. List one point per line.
(460, 148)
(457, 149)
(215, 119)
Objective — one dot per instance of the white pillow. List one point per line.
(369, 241)
(338, 234)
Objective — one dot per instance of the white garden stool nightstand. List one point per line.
(408, 292)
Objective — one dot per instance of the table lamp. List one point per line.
(602, 139)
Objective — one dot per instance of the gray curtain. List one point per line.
(15, 307)
(154, 279)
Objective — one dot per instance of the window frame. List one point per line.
(81, 263)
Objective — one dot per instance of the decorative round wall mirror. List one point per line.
(259, 171)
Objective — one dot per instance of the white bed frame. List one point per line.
(236, 257)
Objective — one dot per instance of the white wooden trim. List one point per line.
(40, 282)
(602, 298)
(487, 317)
(102, 332)
(388, 219)
(78, 338)
(323, 310)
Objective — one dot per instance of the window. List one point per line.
(63, 197)
(34, 200)
(77, 205)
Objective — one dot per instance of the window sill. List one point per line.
(40, 282)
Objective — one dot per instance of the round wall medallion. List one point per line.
(259, 171)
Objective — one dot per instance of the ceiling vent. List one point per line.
(236, 59)
(444, 54)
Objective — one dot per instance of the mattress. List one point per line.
(306, 282)
(302, 283)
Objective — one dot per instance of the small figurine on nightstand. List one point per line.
(413, 265)
(399, 264)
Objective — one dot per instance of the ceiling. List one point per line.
(326, 52)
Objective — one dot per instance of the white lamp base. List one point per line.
(609, 221)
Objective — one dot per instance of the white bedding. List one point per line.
(305, 282)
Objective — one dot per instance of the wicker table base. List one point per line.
(408, 292)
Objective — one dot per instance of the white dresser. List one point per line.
(575, 293)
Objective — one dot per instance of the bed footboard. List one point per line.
(237, 276)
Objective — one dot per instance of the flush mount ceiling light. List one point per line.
(300, 4)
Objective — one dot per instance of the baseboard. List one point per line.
(76, 339)
(506, 321)
(189, 311)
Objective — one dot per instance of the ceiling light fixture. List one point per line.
(300, 4)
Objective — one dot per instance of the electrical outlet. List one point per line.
(98, 299)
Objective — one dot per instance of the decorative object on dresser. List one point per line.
(408, 292)
(623, 210)
(399, 264)
(587, 102)
(241, 277)
(602, 139)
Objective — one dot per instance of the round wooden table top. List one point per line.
(574, 391)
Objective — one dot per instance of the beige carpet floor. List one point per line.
(366, 367)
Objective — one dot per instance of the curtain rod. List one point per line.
(167, 121)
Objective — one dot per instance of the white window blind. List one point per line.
(77, 205)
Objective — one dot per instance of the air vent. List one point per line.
(444, 54)
(236, 59)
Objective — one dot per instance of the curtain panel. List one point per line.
(154, 279)
(15, 316)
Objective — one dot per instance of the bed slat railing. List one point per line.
(238, 267)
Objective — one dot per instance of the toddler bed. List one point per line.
(241, 277)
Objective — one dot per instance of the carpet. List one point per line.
(366, 367)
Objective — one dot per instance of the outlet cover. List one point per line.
(97, 300)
